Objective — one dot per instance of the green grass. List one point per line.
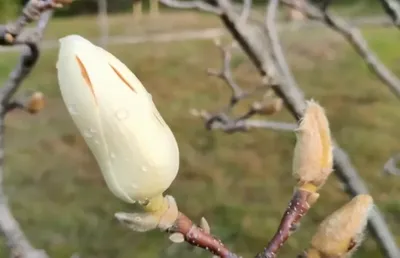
(241, 183)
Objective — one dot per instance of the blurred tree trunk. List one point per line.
(102, 19)
(154, 8)
(137, 9)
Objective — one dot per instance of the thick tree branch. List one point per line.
(392, 8)
(253, 44)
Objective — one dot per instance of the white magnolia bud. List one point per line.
(134, 147)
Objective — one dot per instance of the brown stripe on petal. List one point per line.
(122, 78)
(86, 77)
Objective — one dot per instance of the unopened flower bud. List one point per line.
(133, 146)
(313, 161)
(341, 232)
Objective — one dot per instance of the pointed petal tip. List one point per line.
(74, 41)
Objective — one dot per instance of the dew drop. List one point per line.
(87, 134)
(92, 130)
(97, 142)
(122, 114)
(137, 219)
(145, 202)
(150, 96)
(144, 169)
(72, 109)
(112, 155)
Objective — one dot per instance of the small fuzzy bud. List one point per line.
(268, 106)
(35, 103)
(8, 38)
(341, 233)
(313, 161)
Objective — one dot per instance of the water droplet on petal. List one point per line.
(122, 114)
(87, 134)
(72, 109)
(92, 130)
(97, 142)
(150, 96)
(137, 219)
(145, 202)
(144, 169)
(112, 155)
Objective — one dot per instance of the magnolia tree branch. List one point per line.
(198, 236)
(179, 227)
(40, 11)
(222, 119)
(392, 8)
(260, 52)
(354, 37)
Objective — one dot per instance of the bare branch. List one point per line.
(392, 8)
(246, 9)
(300, 202)
(297, 208)
(228, 125)
(179, 227)
(34, 10)
(391, 166)
(226, 74)
(354, 36)
(28, 58)
(199, 237)
(196, 4)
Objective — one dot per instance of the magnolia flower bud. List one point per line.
(341, 232)
(313, 157)
(133, 146)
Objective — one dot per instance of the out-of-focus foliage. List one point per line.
(8, 9)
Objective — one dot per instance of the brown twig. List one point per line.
(222, 120)
(297, 208)
(197, 236)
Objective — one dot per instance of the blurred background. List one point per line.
(241, 183)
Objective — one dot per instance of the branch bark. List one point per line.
(392, 8)
(199, 237)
